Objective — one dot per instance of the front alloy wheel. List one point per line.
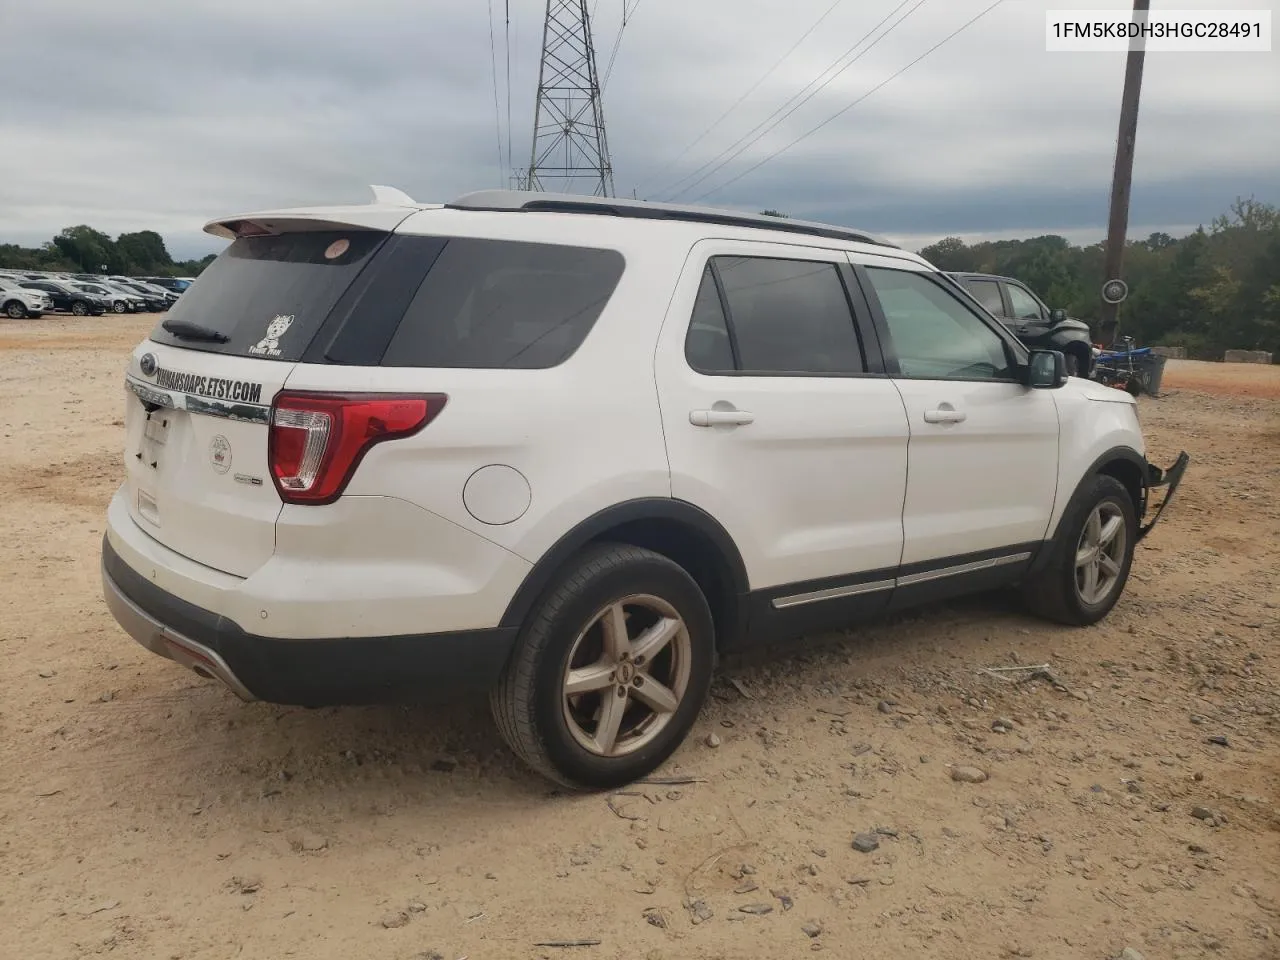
(15, 310)
(1100, 554)
(1089, 559)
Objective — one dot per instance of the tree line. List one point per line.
(83, 249)
(1212, 290)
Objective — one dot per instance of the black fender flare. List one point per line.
(647, 508)
(1111, 455)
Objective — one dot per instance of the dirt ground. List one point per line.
(147, 813)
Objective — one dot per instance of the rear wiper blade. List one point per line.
(186, 330)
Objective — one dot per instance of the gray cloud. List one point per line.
(137, 115)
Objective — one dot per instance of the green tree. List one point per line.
(88, 249)
(144, 251)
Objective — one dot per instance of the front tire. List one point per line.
(119, 306)
(610, 669)
(15, 310)
(1092, 554)
(80, 309)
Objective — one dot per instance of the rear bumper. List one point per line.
(313, 672)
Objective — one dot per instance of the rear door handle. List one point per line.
(945, 414)
(715, 418)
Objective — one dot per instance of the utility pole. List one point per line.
(568, 123)
(1114, 290)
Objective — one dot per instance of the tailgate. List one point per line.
(199, 391)
(196, 454)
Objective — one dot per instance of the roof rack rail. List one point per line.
(515, 201)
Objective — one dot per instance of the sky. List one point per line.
(140, 115)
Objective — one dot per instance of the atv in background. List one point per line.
(1028, 319)
(1136, 370)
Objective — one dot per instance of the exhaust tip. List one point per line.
(203, 672)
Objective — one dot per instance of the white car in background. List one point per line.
(568, 450)
(18, 302)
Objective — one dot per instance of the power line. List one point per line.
(497, 112)
(845, 109)
(737, 103)
(795, 102)
(617, 42)
(507, 42)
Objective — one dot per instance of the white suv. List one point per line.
(567, 450)
(18, 302)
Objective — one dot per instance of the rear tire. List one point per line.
(15, 310)
(609, 671)
(1091, 556)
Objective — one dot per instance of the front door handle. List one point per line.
(716, 418)
(945, 414)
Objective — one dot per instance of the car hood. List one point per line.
(1071, 323)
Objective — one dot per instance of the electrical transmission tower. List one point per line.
(568, 123)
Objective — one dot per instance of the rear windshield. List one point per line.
(400, 301)
(270, 295)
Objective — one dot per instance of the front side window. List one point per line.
(934, 335)
(784, 317)
(1023, 304)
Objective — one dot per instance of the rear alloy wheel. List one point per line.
(1091, 556)
(610, 670)
(623, 683)
(80, 308)
(15, 310)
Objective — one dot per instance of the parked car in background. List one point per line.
(157, 299)
(176, 284)
(122, 301)
(1013, 304)
(68, 299)
(17, 302)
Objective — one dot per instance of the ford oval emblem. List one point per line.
(148, 364)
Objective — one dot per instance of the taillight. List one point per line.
(318, 439)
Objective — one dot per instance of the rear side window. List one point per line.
(269, 295)
(500, 304)
(987, 293)
(788, 316)
(707, 345)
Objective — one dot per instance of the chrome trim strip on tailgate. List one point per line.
(192, 403)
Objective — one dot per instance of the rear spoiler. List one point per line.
(390, 207)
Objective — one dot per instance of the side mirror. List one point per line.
(1045, 370)
(1057, 316)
